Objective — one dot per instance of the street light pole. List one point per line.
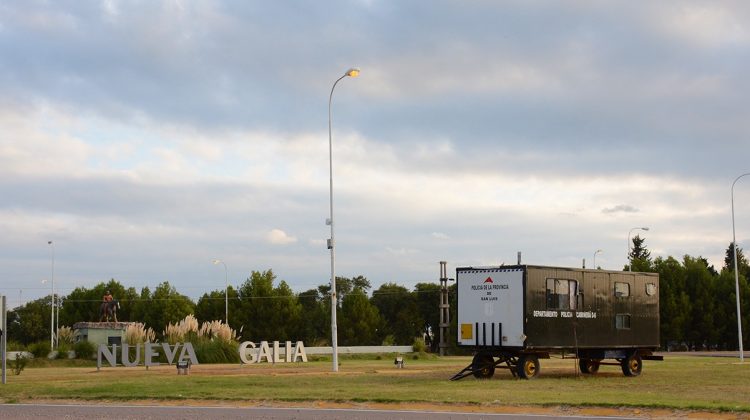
(736, 274)
(598, 251)
(226, 290)
(630, 265)
(352, 72)
(52, 320)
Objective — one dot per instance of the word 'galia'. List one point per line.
(250, 353)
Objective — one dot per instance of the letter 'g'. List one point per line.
(246, 356)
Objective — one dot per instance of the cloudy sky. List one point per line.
(145, 138)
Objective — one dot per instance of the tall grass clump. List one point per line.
(185, 330)
(137, 333)
(65, 339)
(213, 342)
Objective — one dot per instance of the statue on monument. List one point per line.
(108, 308)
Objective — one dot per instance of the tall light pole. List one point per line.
(630, 265)
(352, 72)
(599, 251)
(226, 290)
(736, 274)
(52, 322)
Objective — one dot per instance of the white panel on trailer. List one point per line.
(490, 306)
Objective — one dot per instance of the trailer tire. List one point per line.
(483, 366)
(528, 366)
(590, 366)
(632, 365)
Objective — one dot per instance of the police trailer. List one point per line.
(515, 315)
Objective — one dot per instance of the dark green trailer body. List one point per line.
(518, 314)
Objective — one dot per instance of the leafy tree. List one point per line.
(742, 264)
(213, 306)
(31, 322)
(143, 310)
(399, 310)
(359, 321)
(316, 316)
(700, 289)
(345, 285)
(268, 312)
(640, 256)
(427, 296)
(165, 305)
(674, 303)
(83, 305)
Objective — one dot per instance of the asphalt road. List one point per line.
(49, 411)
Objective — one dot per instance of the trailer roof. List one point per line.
(526, 266)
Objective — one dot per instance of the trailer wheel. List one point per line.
(528, 366)
(483, 366)
(590, 366)
(632, 365)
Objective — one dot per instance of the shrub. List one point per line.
(84, 350)
(389, 340)
(419, 345)
(18, 363)
(216, 351)
(13, 345)
(62, 350)
(40, 348)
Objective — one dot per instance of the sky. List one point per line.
(147, 138)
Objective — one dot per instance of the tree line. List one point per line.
(697, 307)
(697, 303)
(262, 308)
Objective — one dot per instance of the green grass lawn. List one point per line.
(696, 383)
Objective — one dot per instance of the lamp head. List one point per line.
(353, 72)
(645, 228)
(215, 261)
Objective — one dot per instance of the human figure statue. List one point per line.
(108, 307)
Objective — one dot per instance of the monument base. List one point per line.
(101, 332)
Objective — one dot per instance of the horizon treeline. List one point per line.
(697, 307)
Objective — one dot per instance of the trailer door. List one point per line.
(490, 306)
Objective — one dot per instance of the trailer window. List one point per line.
(622, 289)
(561, 294)
(622, 321)
(650, 289)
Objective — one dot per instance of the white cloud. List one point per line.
(709, 25)
(279, 237)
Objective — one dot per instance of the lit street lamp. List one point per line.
(226, 290)
(352, 72)
(630, 265)
(599, 251)
(736, 275)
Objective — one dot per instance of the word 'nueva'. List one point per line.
(151, 351)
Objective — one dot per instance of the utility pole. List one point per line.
(444, 308)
